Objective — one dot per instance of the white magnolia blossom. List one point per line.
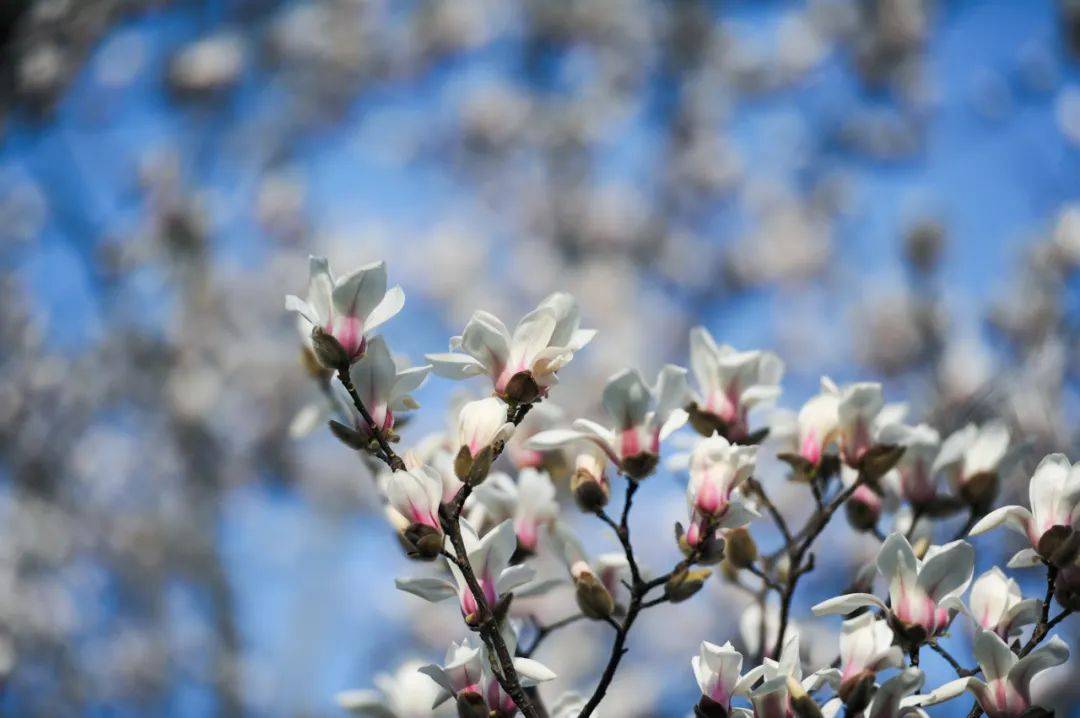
(730, 383)
(642, 416)
(853, 418)
(915, 467)
(481, 424)
(347, 308)
(467, 669)
(384, 389)
(866, 646)
(972, 451)
(416, 495)
(610, 568)
(717, 469)
(406, 693)
(892, 699)
(1054, 493)
(543, 342)
(529, 502)
(1005, 688)
(490, 560)
(782, 681)
(923, 594)
(718, 673)
(997, 605)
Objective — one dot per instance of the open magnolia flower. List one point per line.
(853, 418)
(892, 699)
(384, 389)
(406, 693)
(717, 468)
(915, 467)
(490, 560)
(1054, 493)
(416, 494)
(529, 502)
(730, 383)
(482, 425)
(866, 648)
(642, 415)
(717, 670)
(782, 685)
(466, 676)
(348, 308)
(997, 605)
(970, 459)
(924, 595)
(1005, 691)
(521, 366)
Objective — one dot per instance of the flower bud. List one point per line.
(349, 436)
(328, 350)
(522, 389)
(710, 548)
(740, 547)
(879, 460)
(422, 542)
(311, 364)
(470, 704)
(589, 485)
(980, 490)
(863, 509)
(639, 466)
(593, 597)
(685, 583)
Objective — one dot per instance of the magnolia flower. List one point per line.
(924, 595)
(529, 502)
(717, 468)
(467, 670)
(892, 699)
(416, 495)
(589, 483)
(717, 670)
(406, 693)
(730, 383)
(522, 366)
(997, 605)
(481, 426)
(607, 571)
(970, 458)
(490, 560)
(382, 387)
(782, 682)
(915, 467)
(866, 648)
(347, 308)
(853, 418)
(642, 416)
(1006, 690)
(1054, 493)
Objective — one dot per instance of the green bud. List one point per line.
(473, 469)
(740, 548)
(593, 597)
(685, 583)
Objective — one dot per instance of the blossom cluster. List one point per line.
(483, 530)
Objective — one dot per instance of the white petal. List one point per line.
(553, 439)
(626, 398)
(1016, 518)
(1053, 653)
(513, 577)
(392, 303)
(359, 292)
(408, 380)
(429, 589)
(947, 570)
(485, 338)
(455, 366)
(1025, 558)
(843, 605)
(298, 305)
(532, 672)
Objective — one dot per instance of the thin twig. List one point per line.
(392, 460)
(961, 672)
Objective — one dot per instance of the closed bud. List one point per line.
(863, 509)
(311, 364)
(422, 542)
(710, 550)
(471, 469)
(980, 490)
(1067, 588)
(740, 547)
(878, 461)
(685, 583)
(522, 389)
(590, 493)
(856, 692)
(470, 704)
(328, 350)
(593, 597)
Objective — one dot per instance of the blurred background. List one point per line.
(874, 189)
